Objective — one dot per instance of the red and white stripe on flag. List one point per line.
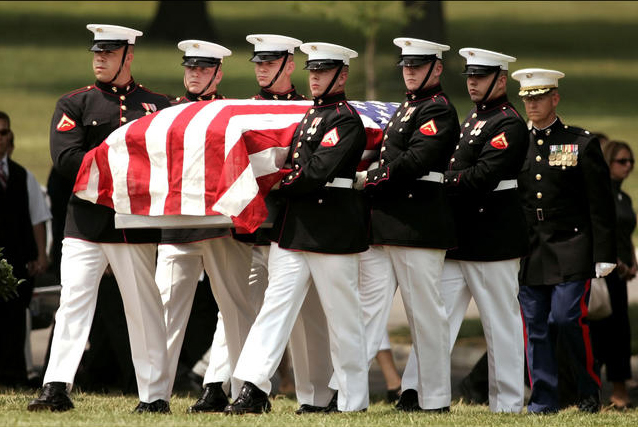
(202, 158)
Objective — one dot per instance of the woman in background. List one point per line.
(611, 336)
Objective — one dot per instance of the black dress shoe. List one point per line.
(53, 397)
(589, 404)
(408, 401)
(443, 410)
(392, 395)
(251, 400)
(213, 399)
(471, 394)
(309, 409)
(158, 406)
(332, 405)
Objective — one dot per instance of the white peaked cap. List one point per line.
(537, 81)
(318, 51)
(203, 48)
(273, 43)
(113, 32)
(474, 56)
(410, 46)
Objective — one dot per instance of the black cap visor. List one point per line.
(415, 60)
(107, 45)
(322, 64)
(480, 70)
(270, 55)
(200, 61)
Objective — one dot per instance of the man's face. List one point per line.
(266, 71)
(196, 79)
(477, 86)
(319, 80)
(106, 64)
(414, 76)
(541, 108)
(4, 137)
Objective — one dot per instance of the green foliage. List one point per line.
(8, 283)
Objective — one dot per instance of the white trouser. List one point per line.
(377, 285)
(133, 265)
(336, 281)
(494, 286)
(227, 263)
(310, 352)
(309, 343)
(418, 271)
(218, 368)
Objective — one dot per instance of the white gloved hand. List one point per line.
(360, 180)
(604, 268)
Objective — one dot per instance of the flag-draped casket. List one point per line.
(205, 158)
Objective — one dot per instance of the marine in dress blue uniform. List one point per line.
(319, 231)
(411, 217)
(82, 120)
(490, 225)
(566, 193)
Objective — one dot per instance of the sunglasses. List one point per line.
(624, 161)
(4, 132)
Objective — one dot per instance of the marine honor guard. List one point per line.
(183, 254)
(308, 346)
(319, 232)
(490, 224)
(81, 121)
(568, 202)
(273, 57)
(202, 63)
(412, 219)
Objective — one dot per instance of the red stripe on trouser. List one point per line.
(589, 354)
(529, 371)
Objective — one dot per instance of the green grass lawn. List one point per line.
(103, 410)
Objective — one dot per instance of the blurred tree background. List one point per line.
(43, 51)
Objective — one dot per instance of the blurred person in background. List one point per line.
(20, 249)
(611, 336)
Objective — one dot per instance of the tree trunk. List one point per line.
(180, 20)
(425, 20)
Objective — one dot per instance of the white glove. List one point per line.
(360, 180)
(604, 268)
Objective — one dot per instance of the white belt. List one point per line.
(433, 177)
(506, 184)
(340, 183)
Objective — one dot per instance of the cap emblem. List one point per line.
(408, 43)
(196, 45)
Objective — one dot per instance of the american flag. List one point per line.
(205, 158)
